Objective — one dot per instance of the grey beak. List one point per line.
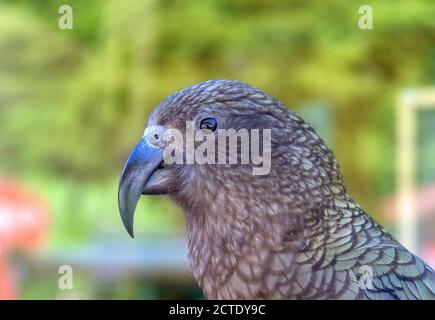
(141, 164)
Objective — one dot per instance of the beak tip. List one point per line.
(127, 202)
(127, 216)
(131, 233)
(129, 228)
(127, 221)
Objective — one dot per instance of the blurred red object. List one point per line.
(24, 221)
(8, 281)
(23, 217)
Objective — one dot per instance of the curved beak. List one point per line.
(141, 164)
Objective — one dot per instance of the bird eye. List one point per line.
(208, 124)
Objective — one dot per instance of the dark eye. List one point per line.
(208, 124)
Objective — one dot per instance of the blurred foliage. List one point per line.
(74, 102)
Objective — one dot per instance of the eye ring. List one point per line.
(208, 124)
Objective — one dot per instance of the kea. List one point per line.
(293, 233)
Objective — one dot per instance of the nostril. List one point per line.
(161, 165)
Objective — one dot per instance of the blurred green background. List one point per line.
(73, 103)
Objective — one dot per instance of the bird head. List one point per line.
(295, 160)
